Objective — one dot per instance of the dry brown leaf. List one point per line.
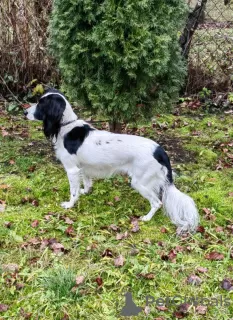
(121, 236)
(214, 256)
(201, 310)
(79, 280)
(202, 269)
(119, 261)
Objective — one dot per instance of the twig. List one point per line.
(4, 82)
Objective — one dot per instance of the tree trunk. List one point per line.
(194, 18)
(115, 126)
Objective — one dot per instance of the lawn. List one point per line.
(79, 263)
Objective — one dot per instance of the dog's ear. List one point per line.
(50, 110)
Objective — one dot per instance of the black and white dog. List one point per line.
(87, 153)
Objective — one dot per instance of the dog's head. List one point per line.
(51, 110)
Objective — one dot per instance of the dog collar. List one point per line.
(66, 123)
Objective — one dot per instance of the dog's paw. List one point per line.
(145, 218)
(83, 191)
(67, 205)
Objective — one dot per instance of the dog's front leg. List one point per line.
(74, 181)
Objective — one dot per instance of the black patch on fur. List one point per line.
(98, 143)
(50, 110)
(107, 142)
(161, 156)
(74, 139)
(119, 140)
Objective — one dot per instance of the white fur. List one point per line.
(104, 154)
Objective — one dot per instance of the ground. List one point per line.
(79, 263)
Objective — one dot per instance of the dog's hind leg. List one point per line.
(156, 204)
(74, 181)
(87, 184)
(151, 196)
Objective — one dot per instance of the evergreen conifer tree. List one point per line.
(119, 58)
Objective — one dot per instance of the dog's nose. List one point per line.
(25, 112)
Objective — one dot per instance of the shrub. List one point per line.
(119, 58)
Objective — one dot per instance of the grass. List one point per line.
(33, 226)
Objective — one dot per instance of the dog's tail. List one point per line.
(180, 208)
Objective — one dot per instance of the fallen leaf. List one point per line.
(3, 307)
(200, 229)
(35, 224)
(182, 311)
(147, 241)
(230, 228)
(206, 210)
(161, 308)
(2, 207)
(107, 253)
(196, 133)
(99, 281)
(70, 231)
(10, 267)
(219, 229)
(161, 244)
(194, 280)
(163, 230)
(24, 314)
(147, 310)
(19, 286)
(32, 168)
(79, 280)
(202, 269)
(92, 247)
(119, 261)
(135, 225)
(65, 317)
(25, 105)
(114, 227)
(179, 249)
(201, 310)
(208, 214)
(57, 247)
(35, 203)
(4, 133)
(171, 256)
(4, 186)
(134, 252)
(110, 203)
(11, 162)
(121, 236)
(148, 276)
(117, 199)
(227, 284)
(7, 224)
(214, 256)
(68, 220)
